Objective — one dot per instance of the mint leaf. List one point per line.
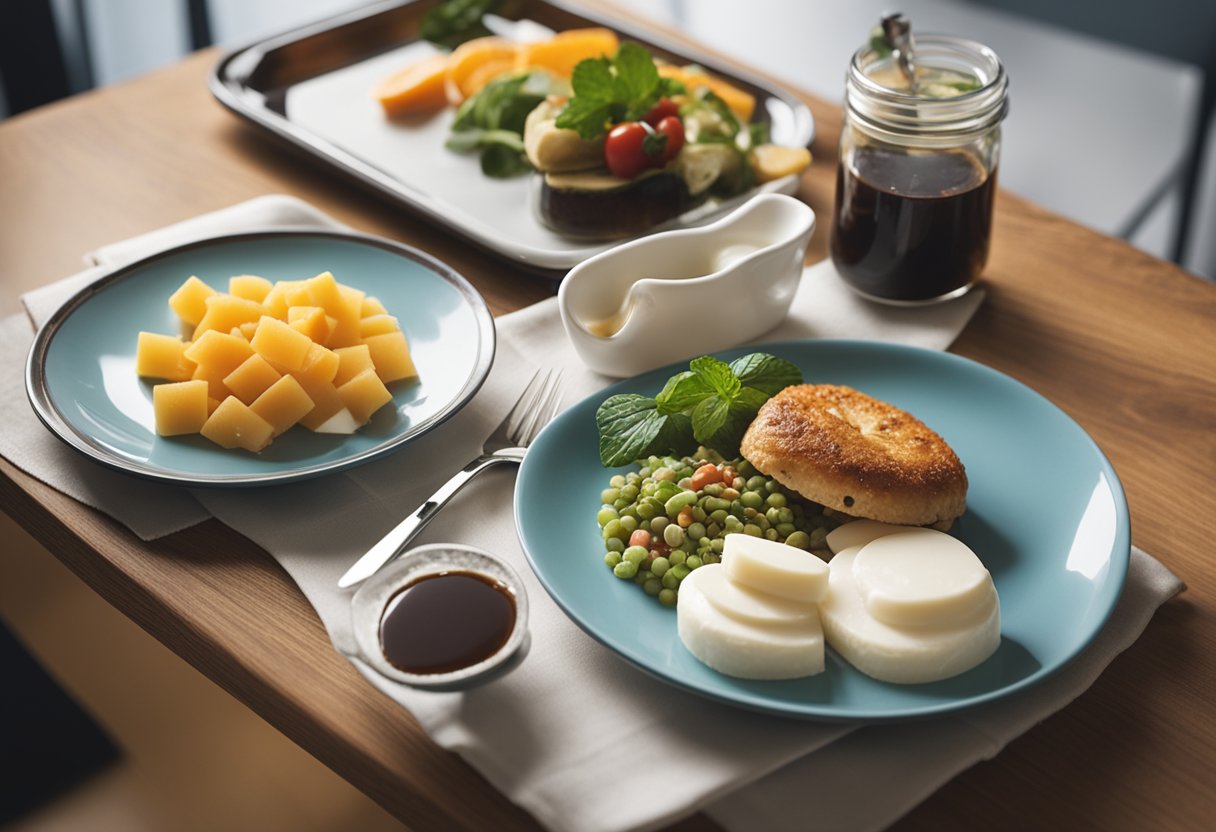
(592, 78)
(765, 372)
(631, 427)
(455, 21)
(682, 392)
(716, 374)
(607, 91)
(588, 116)
(719, 423)
(637, 79)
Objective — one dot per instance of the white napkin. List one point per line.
(575, 735)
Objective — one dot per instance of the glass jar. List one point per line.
(917, 172)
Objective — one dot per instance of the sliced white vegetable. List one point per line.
(903, 655)
(745, 651)
(768, 566)
(340, 422)
(920, 578)
(749, 605)
(859, 533)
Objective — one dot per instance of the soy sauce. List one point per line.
(446, 621)
(912, 226)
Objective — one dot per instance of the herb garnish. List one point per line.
(710, 404)
(611, 90)
(452, 23)
(492, 121)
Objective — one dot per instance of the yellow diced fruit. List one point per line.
(281, 345)
(372, 306)
(283, 404)
(218, 352)
(180, 407)
(161, 356)
(340, 302)
(377, 325)
(225, 311)
(312, 321)
(238, 332)
(351, 362)
(190, 300)
(234, 425)
(275, 303)
(214, 380)
(391, 355)
(250, 287)
(325, 399)
(212, 404)
(321, 365)
(251, 378)
(773, 161)
(364, 394)
(323, 291)
(247, 329)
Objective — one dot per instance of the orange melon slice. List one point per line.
(741, 103)
(560, 53)
(417, 88)
(470, 58)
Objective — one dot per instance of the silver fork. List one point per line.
(536, 407)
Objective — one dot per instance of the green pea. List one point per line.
(604, 515)
(712, 557)
(669, 580)
(785, 515)
(659, 566)
(684, 498)
(699, 515)
(630, 492)
(799, 540)
(612, 559)
(667, 597)
(665, 473)
(751, 499)
(771, 486)
(718, 517)
(625, 570)
(714, 489)
(629, 523)
(693, 562)
(658, 524)
(753, 530)
(786, 529)
(610, 495)
(717, 545)
(680, 570)
(755, 483)
(646, 510)
(770, 534)
(652, 586)
(614, 544)
(673, 534)
(776, 500)
(619, 503)
(745, 468)
(630, 510)
(636, 554)
(613, 528)
(617, 481)
(677, 556)
(819, 537)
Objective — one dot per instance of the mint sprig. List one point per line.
(710, 404)
(611, 90)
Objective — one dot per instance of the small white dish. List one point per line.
(683, 293)
(371, 603)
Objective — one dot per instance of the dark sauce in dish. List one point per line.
(446, 621)
(912, 226)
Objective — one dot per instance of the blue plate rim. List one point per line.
(48, 413)
(1120, 559)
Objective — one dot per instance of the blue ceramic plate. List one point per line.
(81, 372)
(1045, 513)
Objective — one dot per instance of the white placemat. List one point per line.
(575, 735)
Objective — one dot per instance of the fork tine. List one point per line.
(520, 432)
(519, 414)
(545, 408)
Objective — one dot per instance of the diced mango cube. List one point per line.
(281, 345)
(325, 399)
(180, 407)
(364, 394)
(225, 311)
(351, 362)
(250, 287)
(323, 291)
(377, 325)
(283, 404)
(212, 404)
(251, 378)
(391, 355)
(234, 425)
(321, 365)
(312, 321)
(190, 300)
(247, 329)
(275, 303)
(161, 356)
(219, 352)
(372, 306)
(215, 381)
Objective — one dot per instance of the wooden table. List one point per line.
(1124, 343)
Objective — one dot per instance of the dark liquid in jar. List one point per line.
(912, 226)
(446, 621)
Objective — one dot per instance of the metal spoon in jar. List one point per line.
(897, 30)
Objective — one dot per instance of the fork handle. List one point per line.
(394, 543)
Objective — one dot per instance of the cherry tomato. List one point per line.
(623, 150)
(666, 107)
(634, 146)
(673, 129)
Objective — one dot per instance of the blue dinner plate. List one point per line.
(81, 379)
(1045, 513)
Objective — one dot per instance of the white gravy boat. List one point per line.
(679, 294)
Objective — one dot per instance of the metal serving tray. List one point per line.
(311, 87)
